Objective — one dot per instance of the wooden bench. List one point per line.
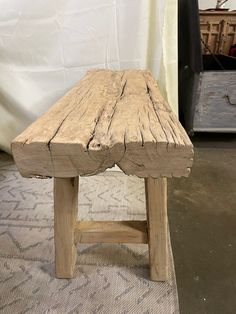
(108, 118)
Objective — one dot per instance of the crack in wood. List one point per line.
(109, 117)
(157, 115)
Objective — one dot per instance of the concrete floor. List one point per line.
(202, 217)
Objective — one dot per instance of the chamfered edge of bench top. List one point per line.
(107, 118)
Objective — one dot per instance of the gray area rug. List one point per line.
(109, 278)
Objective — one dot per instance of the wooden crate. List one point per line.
(218, 31)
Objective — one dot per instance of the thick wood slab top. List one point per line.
(109, 117)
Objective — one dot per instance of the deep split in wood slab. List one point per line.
(108, 118)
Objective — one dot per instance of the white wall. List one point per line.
(206, 4)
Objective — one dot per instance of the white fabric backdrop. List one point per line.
(47, 45)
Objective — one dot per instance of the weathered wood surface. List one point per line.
(215, 110)
(217, 31)
(111, 232)
(109, 117)
(156, 204)
(65, 216)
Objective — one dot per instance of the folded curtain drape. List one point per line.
(46, 47)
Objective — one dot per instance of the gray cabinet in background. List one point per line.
(215, 101)
(207, 83)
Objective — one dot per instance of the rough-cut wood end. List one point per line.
(108, 118)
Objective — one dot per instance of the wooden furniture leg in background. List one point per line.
(65, 216)
(156, 204)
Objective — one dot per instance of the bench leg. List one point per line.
(156, 204)
(65, 214)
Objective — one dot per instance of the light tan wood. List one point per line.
(65, 214)
(108, 118)
(111, 232)
(218, 31)
(156, 202)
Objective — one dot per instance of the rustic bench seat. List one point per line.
(109, 117)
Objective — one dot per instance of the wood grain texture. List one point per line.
(156, 202)
(111, 232)
(65, 215)
(108, 118)
(218, 31)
